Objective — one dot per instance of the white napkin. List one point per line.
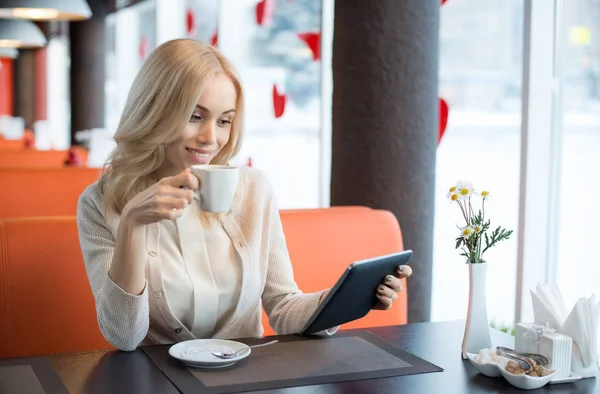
(548, 306)
(581, 324)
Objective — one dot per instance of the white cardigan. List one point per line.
(253, 225)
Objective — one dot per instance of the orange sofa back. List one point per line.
(43, 191)
(323, 242)
(32, 158)
(47, 305)
(11, 144)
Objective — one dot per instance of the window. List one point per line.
(274, 45)
(480, 77)
(578, 264)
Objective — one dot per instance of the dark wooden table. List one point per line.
(118, 372)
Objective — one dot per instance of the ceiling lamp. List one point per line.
(20, 34)
(45, 10)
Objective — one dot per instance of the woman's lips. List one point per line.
(200, 156)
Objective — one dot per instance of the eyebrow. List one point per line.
(207, 110)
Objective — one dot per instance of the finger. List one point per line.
(184, 179)
(167, 190)
(186, 194)
(386, 302)
(169, 203)
(386, 292)
(392, 282)
(167, 214)
(172, 214)
(404, 271)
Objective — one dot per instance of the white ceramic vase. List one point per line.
(477, 328)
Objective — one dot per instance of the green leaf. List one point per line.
(459, 241)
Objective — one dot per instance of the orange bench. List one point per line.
(43, 191)
(32, 158)
(47, 305)
(11, 144)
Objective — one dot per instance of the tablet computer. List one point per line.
(354, 294)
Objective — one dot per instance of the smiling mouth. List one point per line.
(200, 154)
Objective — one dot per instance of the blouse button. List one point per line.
(152, 253)
(159, 294)
(178, 330)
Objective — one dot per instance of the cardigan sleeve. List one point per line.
(123, 318)
(288, 308)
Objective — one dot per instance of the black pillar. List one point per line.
(385, 121)
(88, 42)
(24, 87)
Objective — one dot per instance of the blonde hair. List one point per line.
(160, 103)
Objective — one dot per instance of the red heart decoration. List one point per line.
(189, 22)
(313, 40)
(443, 118)
(143, 47)
(279, 100)
(264, 11)
(214, 39)
(443, 1)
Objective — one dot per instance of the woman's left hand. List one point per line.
(391, 285)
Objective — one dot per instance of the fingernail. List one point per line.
(388, 279)
(381, 288)
(400, 268)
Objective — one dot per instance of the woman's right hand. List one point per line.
(165, 200)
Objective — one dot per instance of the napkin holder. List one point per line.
(542, 339)
(528, 336)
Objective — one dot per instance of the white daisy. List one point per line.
(467, 231)
(465, 189)
(485, 194)
(452, 194)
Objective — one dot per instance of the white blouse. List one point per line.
(202, 293)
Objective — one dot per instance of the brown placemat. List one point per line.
(296, 361)
(29, 376)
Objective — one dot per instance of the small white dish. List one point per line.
(198, 352)
(490, 369)
(574, 377)
(525, 382)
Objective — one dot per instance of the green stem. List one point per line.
(483, 211)
(470, 211)
(482, 222)
(463, 211)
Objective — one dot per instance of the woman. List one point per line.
(162, 271)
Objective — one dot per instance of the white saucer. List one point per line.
(574, 377)
(197, 352)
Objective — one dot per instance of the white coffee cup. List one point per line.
(218, 184)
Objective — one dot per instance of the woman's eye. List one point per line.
(224, 122)
(196, 118)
